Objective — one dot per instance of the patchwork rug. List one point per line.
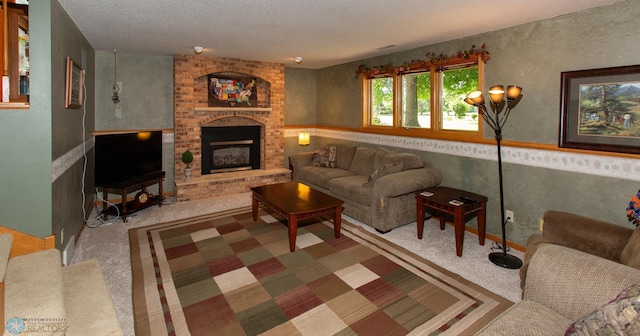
(225, 274)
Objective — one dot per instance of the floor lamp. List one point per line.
(500, 112)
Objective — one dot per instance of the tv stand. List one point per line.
(126, 207)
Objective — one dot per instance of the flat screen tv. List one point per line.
(127, 158)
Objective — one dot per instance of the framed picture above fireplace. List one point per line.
(232, 91)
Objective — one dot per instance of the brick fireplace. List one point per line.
(192, 113)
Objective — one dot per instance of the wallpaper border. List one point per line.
(623, 168)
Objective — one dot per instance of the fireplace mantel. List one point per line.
(232, 109)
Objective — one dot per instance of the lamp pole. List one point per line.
(498, 104)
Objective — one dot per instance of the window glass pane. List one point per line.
(382, 101)
(456, 114)
(416, 100)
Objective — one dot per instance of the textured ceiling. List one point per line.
(323, 32)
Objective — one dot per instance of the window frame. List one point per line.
(435, 131)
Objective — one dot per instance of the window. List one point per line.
(416, 100)
(425, 100)
(456, 114)
(381, 101)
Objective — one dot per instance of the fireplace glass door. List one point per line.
(226, 149)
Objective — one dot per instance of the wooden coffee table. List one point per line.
(439, 202)
(296, 201)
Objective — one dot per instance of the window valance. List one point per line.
(460, 58)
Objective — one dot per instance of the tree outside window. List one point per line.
(382, 101)
(456, 114)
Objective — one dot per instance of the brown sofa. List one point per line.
(600, 238)
(387, 200)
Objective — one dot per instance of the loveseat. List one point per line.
(567, 288)
(377, 185)
(607, 240)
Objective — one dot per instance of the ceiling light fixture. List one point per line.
(297, 59)
(198, 50)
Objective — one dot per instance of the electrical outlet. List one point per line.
(541, 224)
(61, 236)
(509, 215)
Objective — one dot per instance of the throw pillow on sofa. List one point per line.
(324, 157)
(617, 317)
(387, 169)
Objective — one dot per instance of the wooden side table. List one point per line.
(439, 202)
(125, 207)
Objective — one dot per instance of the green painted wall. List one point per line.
(70, 128)
(146, 98)
(25, 146)
(300, 88)
(30, 140)
(533, 56)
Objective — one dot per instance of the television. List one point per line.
(127, 158)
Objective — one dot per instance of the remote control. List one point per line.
(466, 199)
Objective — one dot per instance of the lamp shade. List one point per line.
(475, 97)
(496, 93)
(513, 92)
(303, 138)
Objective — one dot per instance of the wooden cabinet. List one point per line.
(142, 199)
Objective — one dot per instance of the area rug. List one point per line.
(225, 274)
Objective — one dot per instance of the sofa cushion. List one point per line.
(612, 318)
(630, 254)
(380, 154)
(363, 160)
(411, 161)
(321, 176)
(344, 155)
(382, 171)
(350, 187)
(324, 157)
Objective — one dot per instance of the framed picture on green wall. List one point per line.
(73, 90)
(600, 109)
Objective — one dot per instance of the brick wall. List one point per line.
(191, 112)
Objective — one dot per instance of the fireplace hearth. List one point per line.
(230, 148)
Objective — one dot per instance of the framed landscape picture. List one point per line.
(73, 90)
(600, 109)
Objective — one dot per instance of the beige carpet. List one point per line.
(110, 245)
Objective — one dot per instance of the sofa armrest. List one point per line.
(405, 182)
(586, 234)
(533, 243)
(574, 283)
(297, 161)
